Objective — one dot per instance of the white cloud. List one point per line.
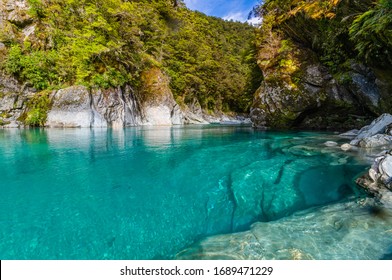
(254, 21)
(236, 10)
(235, 16)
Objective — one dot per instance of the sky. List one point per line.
(237, 10)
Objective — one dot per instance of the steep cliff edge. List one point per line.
(315, 73)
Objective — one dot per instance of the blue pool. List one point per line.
(148, 193)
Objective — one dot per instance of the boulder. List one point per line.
(376, 127)
(378, 180)
(376, 141)
(346, 147)
(350, 134)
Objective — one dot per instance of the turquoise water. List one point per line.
(148, 193)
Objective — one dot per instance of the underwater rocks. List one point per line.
(338, 231)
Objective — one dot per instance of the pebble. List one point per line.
(346, 147)
(330, 144)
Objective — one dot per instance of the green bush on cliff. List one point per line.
(109, 43)
(37, 109)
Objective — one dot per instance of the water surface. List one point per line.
(148, 193)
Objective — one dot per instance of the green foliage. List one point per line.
(109, 43)
(336, 30)
(372, 33)
(34, 66)
(38, 108)
(213, 61)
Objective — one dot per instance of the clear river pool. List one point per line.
(151, 192)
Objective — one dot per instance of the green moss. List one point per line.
(343, 78)
(37, 110)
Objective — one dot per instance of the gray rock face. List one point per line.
(350, 134)
(193, 113)
(118, 107)
(338, 231)
(13, 97)
(310, 97)
(157, 101)
(378, 181)
(376, 127)
(72, 108)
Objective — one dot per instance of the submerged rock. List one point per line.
(330, 144)
(338, 231)
(346, 147)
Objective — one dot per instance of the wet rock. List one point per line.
(378, 180)
(346, 147)
(350, 134)
(330, 144)
(378, 140)
(376, 127)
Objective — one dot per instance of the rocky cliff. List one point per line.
(78, 106)
(89, 71)
(314, 76)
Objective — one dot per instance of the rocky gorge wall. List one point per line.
(150, 102)
(313, 98)
(78, 106)
(314, 76)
